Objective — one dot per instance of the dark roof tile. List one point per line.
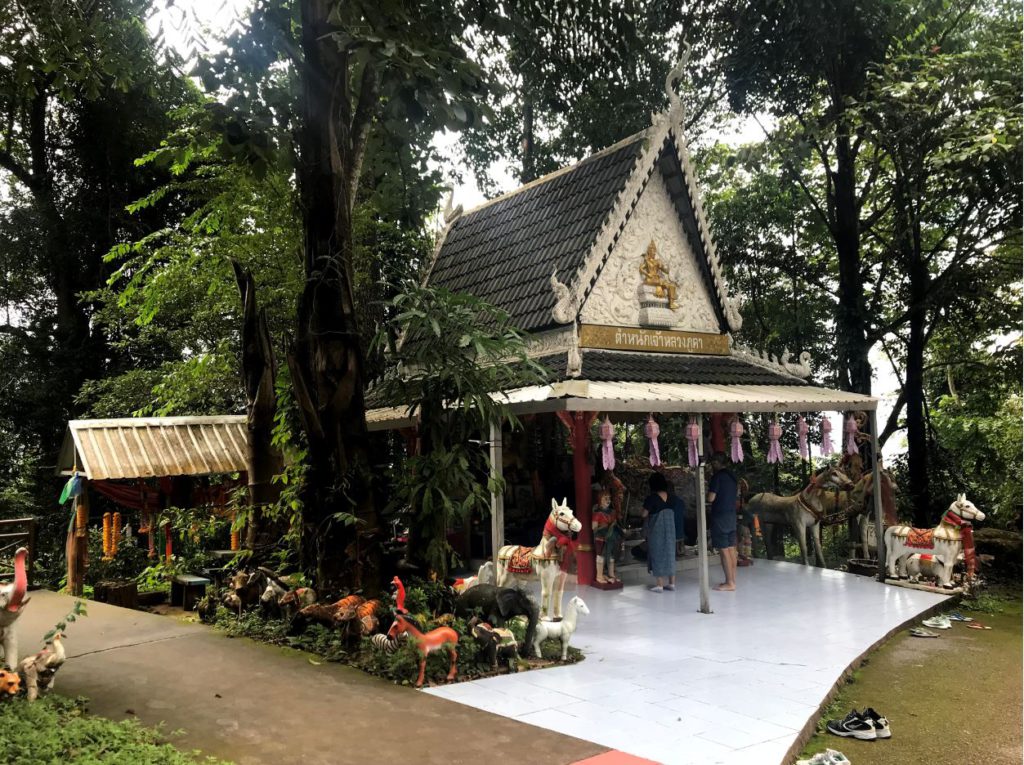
(505, 251)
(623, 366)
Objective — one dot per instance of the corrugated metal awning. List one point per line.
(586, 395)
(149, 447)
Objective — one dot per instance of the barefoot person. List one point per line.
(722, 495)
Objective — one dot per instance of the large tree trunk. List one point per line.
(326, 361)
(259, 372)
(851, 325)
(909, 246)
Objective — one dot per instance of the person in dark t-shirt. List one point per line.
(722, 492)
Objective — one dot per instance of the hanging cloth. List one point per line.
(607, 450)
(735, 442)
(774, 448)
(826, 437)
(652, 431)
(801, 438)
(851, 435)
(692, 435)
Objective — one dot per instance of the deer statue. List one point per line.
(427, 643)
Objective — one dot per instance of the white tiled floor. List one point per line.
(665, 682)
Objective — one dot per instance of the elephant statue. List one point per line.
(12, 603)
(497, 605)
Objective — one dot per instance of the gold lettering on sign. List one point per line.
(657, 340)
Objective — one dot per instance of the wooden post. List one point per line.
(80, 551)
(702, 529)
(876, 491)
(497, 497)
(578, 424)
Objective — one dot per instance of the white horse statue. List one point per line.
(945, 542)
(562, 630)
(517, 564)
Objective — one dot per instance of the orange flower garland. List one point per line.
(107, 536)
(115, 536)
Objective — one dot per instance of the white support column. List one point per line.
(877, 492)
(497, 498)
(702, 527)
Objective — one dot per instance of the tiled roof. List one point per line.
(620, 366)
(505, 251)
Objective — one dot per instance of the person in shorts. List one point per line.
(722, 492)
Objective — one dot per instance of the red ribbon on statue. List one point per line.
(562, 540)
(967, 538)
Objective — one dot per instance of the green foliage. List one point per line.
(79, 609)
(456, 350)
(56, 729)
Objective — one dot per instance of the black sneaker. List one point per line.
(853, 726)
(881, 724)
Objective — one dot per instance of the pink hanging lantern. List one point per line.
(692, 436)
(774, 447)
(851, 435)
(826, 437)
(652, 431)
(607, 450)
(735, 442)
(801, 438)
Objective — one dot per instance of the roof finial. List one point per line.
(675, 106)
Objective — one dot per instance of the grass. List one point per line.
(56, 730)
(949, 700)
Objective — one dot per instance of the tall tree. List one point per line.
(944, 116)
(807, 62)
(574, 78)
(398, 68)
(82, 94)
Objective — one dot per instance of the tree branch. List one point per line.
(892, 424)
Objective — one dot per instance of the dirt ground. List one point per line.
(950, 700)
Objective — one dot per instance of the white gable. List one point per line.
(614, 301)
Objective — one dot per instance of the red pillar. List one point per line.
(578, 424)
(718, 423)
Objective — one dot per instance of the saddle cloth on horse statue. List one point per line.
(925, 538)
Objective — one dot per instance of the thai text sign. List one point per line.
(657, 340)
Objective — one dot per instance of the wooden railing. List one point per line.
(15, 533)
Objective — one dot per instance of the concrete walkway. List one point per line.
(256, 704)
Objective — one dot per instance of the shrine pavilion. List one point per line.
(610, 266)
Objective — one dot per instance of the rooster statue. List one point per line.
(39, 670)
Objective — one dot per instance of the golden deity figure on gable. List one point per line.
(656, 275)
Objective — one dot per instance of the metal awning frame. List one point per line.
(625, 397)
(588, 396)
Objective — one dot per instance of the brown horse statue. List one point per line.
(801, 511)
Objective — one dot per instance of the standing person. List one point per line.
(722, 493)
(661, 533)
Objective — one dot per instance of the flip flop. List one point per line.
(977, 626)
(958, 617)
(918, 632)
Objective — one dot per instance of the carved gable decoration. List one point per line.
(652, 277)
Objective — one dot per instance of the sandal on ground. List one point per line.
(977, 626)
(919, 632)
(656, 588)
(958, 617)
(828, 757)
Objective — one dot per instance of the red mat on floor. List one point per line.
(615, 758)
